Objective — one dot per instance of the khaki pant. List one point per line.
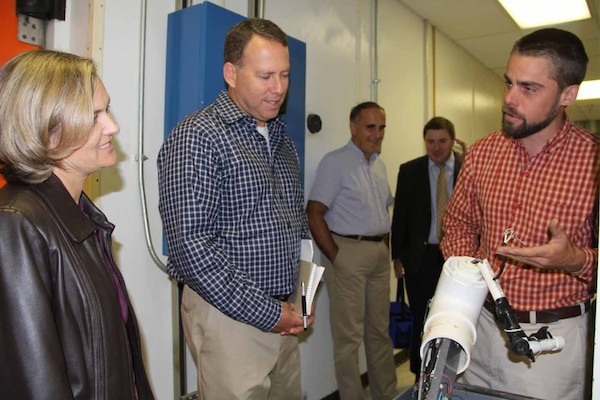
(564, 375)
(358, 284)
(235, 360)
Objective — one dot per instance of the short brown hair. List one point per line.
(440, 123)
(564, 50)
(46, 112)
(240, 34)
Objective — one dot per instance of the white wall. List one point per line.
(467, 94)
(403, 75)
(148, 286)
(338, 34)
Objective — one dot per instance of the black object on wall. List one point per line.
(313, 122)
(42, 9)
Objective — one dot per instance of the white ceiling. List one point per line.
(486, 31)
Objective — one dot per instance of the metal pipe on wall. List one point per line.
(374, 51)
(429, 78)
(180, 367)
(140, 157)
(257, 8)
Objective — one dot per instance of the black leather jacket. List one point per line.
(62, 333)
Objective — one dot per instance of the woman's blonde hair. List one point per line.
(46, 112)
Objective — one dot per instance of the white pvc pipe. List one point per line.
(455, 307)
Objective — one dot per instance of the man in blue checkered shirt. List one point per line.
(232, 206)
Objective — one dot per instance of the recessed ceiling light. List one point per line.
(589, 90)
(534, 13)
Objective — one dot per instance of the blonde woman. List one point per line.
(67, 328)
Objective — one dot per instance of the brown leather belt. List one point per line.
(544, 316)
(362, 237)
(281, 297)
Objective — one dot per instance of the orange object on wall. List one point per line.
(9, 37)
(9, 32)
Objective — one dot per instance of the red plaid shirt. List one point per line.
(501, 187)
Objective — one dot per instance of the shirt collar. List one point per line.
(449, 163)
(558, 139)
(232, 113)
(358, 152)
(555, 142)
(77, 224)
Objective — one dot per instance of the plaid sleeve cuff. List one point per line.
(590, 264)
(267, 318)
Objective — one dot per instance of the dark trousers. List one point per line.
(420, 287)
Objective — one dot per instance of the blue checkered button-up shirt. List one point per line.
(233, 214)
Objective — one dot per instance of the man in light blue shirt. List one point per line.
(349, 221)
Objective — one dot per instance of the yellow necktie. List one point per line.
(441, 198)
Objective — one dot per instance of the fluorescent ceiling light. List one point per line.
(589, 90)
(534, 13)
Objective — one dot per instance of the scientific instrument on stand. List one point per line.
(449, 333)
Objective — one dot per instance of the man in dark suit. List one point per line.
(416, 228)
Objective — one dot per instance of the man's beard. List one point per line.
(526, 129)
